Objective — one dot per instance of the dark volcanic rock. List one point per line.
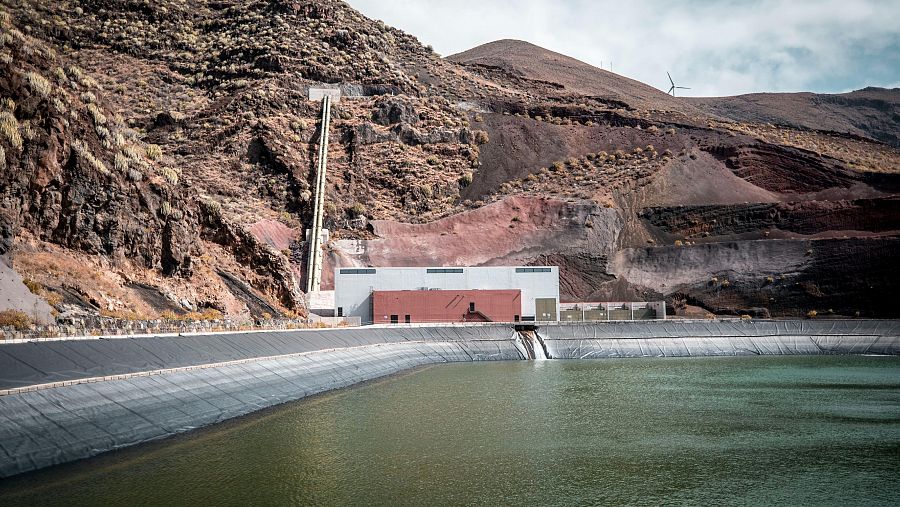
(63, 190)
(393, 110)
(365, 133)
(804, 217)
(846, 277)
(276, 278)
(255, 303)
(785, 169)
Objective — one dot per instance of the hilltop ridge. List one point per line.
(565, 74)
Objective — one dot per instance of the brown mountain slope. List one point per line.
(516, 155)
(565, 75)
(870, 112)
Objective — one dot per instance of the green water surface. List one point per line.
(711, 431)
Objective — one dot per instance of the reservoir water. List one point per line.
(714, 431)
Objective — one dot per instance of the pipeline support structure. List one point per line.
(314, 262)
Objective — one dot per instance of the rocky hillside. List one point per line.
(158, 159)
(873, 113)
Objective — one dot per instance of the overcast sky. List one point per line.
(717, 47)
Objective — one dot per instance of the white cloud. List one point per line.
(720, 47)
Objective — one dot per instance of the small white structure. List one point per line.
(317, 94)
(353, 287)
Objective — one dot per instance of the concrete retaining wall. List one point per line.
(720, 338)
(38, 362)
(66, 400)
(48, 426)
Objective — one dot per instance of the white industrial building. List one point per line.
(539, 286)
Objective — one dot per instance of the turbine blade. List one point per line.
(670, 78)
(682, 87)
(672, 90)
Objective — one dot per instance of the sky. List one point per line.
(715, 47)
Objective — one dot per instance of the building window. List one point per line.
(444, 270)
(406, 319)
(394, 319)
(533, 270)
(340, 311)
(515, 318)
(358, 271)
(471, 307)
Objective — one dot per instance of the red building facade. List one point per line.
(410, 306)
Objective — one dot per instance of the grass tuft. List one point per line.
(121, 162)
(153, 151)
(85, 153)
(170, 175)
(132, 152)
(97, 115)
(38, 84)
(9, 129)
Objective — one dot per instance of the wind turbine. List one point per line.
(673, 88)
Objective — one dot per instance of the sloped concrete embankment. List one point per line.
(720, 338)
(65, 400)
(97, 404)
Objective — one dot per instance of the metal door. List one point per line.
(545, 309)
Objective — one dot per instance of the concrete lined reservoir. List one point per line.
(71, 399)
(768, 430)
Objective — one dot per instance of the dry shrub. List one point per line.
(33, 286)
(38, 84)
(153, 151)
(53, 298)
(9, 128)
(85, 153)
(358, 210)
(121, 314)
(170, 175)
(132, 152)
(97, 115)
(121, 162)
(15, 318)
(206, 314)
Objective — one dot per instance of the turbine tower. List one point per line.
(673, 88)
